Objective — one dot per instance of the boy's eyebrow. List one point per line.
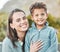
(42, 13)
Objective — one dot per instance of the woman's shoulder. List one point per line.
(7, 41)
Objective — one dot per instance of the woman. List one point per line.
(17, 28)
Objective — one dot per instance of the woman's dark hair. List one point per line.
(12, 33)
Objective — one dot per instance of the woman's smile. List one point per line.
(24, 25)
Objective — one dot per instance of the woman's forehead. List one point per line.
(18, 15)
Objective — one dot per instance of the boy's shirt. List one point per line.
(46, 34)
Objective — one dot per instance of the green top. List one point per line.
(7, 46)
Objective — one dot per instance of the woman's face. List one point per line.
(20, 22)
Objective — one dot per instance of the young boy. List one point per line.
(40, 30)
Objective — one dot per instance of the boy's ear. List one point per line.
(47, 14)
(11, 25)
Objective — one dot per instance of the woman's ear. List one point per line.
(11, 25)
(47, 14)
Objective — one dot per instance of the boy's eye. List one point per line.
(36, 15)
(42, 14)
(18, 20)
(24, 18)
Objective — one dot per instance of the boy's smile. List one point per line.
(39, 16)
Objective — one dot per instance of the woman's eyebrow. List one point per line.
(24, 16)
(18, 19)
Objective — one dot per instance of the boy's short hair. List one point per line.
(38, 5)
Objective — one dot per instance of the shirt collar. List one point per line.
(34, 26)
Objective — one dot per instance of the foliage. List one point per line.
(3, 23)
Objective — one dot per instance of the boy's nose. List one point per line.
(40, 17)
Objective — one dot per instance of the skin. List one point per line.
(39, 16)
(36, 46)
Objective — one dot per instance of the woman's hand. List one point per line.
(34, 47)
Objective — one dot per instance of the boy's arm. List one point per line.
(27, 44)
(54, 42)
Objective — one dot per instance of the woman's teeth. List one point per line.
(23, 25)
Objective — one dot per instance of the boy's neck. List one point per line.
(39, 26)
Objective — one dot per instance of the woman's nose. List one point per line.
(22, 21)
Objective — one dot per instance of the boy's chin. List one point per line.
(40, 24)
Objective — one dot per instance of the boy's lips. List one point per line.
(40, 20)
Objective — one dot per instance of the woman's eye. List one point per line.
(18, 20)
(42, 14)
(24, 18)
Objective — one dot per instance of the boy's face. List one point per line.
(39, 16)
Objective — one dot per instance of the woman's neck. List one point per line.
(21, 35)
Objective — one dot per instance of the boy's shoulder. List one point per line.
(30, 29)
(48, 27)
(52, 29)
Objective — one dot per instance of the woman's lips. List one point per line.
(23, 25)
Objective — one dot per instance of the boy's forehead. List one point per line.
(39, 10)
